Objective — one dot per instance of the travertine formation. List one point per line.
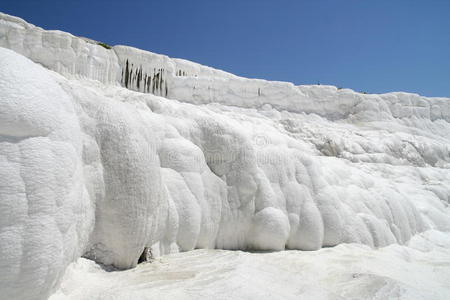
(104, 152)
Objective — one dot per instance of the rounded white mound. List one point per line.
(46, 215)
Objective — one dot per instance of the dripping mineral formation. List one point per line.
(107, 151)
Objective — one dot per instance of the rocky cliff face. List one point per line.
(104, 152)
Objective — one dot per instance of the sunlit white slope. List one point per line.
(91, 167)
(348, 271)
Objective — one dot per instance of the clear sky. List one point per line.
(368, 45)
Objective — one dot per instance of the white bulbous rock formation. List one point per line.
(104, 152)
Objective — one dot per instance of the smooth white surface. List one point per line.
(91, 168)
(347, 271)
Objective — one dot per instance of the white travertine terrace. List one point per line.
(104, 152)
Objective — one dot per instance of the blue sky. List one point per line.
(368, 45)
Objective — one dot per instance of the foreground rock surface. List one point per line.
(348, 271)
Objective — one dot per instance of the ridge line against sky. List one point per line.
(369, 46)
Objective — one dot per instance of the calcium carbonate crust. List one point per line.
(104, 152)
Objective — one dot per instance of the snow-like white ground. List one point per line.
(347, 271)
(104, 152)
